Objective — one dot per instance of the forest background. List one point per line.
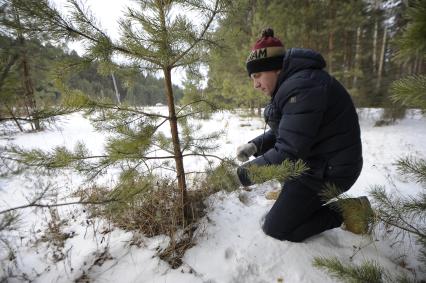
(357, 39)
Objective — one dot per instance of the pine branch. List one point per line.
(412, 41)
(53, 205)
(36, 203)
(390, 211)
(407, 227)
(200, 37)
(288, 169)
(61, 158)
(368, 271)
(188, 61)
(331, 191)
(214, 107)
(410, 91)
(134, 41)
(207, 155)
(77, 102)
(82, 16)
(49, 20)
(191, 114)
(41, 114)
(413, 166)
(133, 110)
(415, 205)
(6, 68)
(196, 148)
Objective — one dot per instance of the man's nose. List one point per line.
(256, 84)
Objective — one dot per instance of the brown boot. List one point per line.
(357, 214)
(272, 195)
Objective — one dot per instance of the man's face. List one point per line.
(265, 81)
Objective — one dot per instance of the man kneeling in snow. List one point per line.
(311, 117)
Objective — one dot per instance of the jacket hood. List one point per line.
(297, 59)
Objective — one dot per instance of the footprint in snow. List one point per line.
(229, 253)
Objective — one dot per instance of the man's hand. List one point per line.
(245, 151)
(243, 175)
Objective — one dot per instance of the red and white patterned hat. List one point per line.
(267, 54)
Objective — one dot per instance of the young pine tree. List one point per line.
(156, 36)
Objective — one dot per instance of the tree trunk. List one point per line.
(345, 58)
(117, 94)
(349, 57)
(376, 25)
(330, 36)
(28, 88)
(180, 170)
(12, 115)
(330, 51)
(357, 55)
(382, 61)
(27, 82)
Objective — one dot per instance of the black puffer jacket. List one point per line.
(312, 117)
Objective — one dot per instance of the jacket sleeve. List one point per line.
(264, 142)
(301, 118)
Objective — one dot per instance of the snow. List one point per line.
(230, 245)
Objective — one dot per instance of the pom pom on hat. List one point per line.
(267, 53)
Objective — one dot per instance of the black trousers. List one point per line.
(299, 212)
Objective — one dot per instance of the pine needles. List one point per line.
(410, 91)
(368, 271)
(288, 169)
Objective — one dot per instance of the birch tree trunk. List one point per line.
(357, 55)
(381, 60)
(117, 94)
(376, 26)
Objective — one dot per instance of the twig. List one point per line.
(41, 205)
(56, 205)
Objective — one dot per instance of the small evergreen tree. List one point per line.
(154, 38)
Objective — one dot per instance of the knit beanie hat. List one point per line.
(267, 54)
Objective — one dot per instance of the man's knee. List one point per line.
(275, 233)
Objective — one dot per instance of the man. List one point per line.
(311, 117)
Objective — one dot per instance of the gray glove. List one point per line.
(245, 151)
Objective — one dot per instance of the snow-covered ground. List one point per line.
(230, 245)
